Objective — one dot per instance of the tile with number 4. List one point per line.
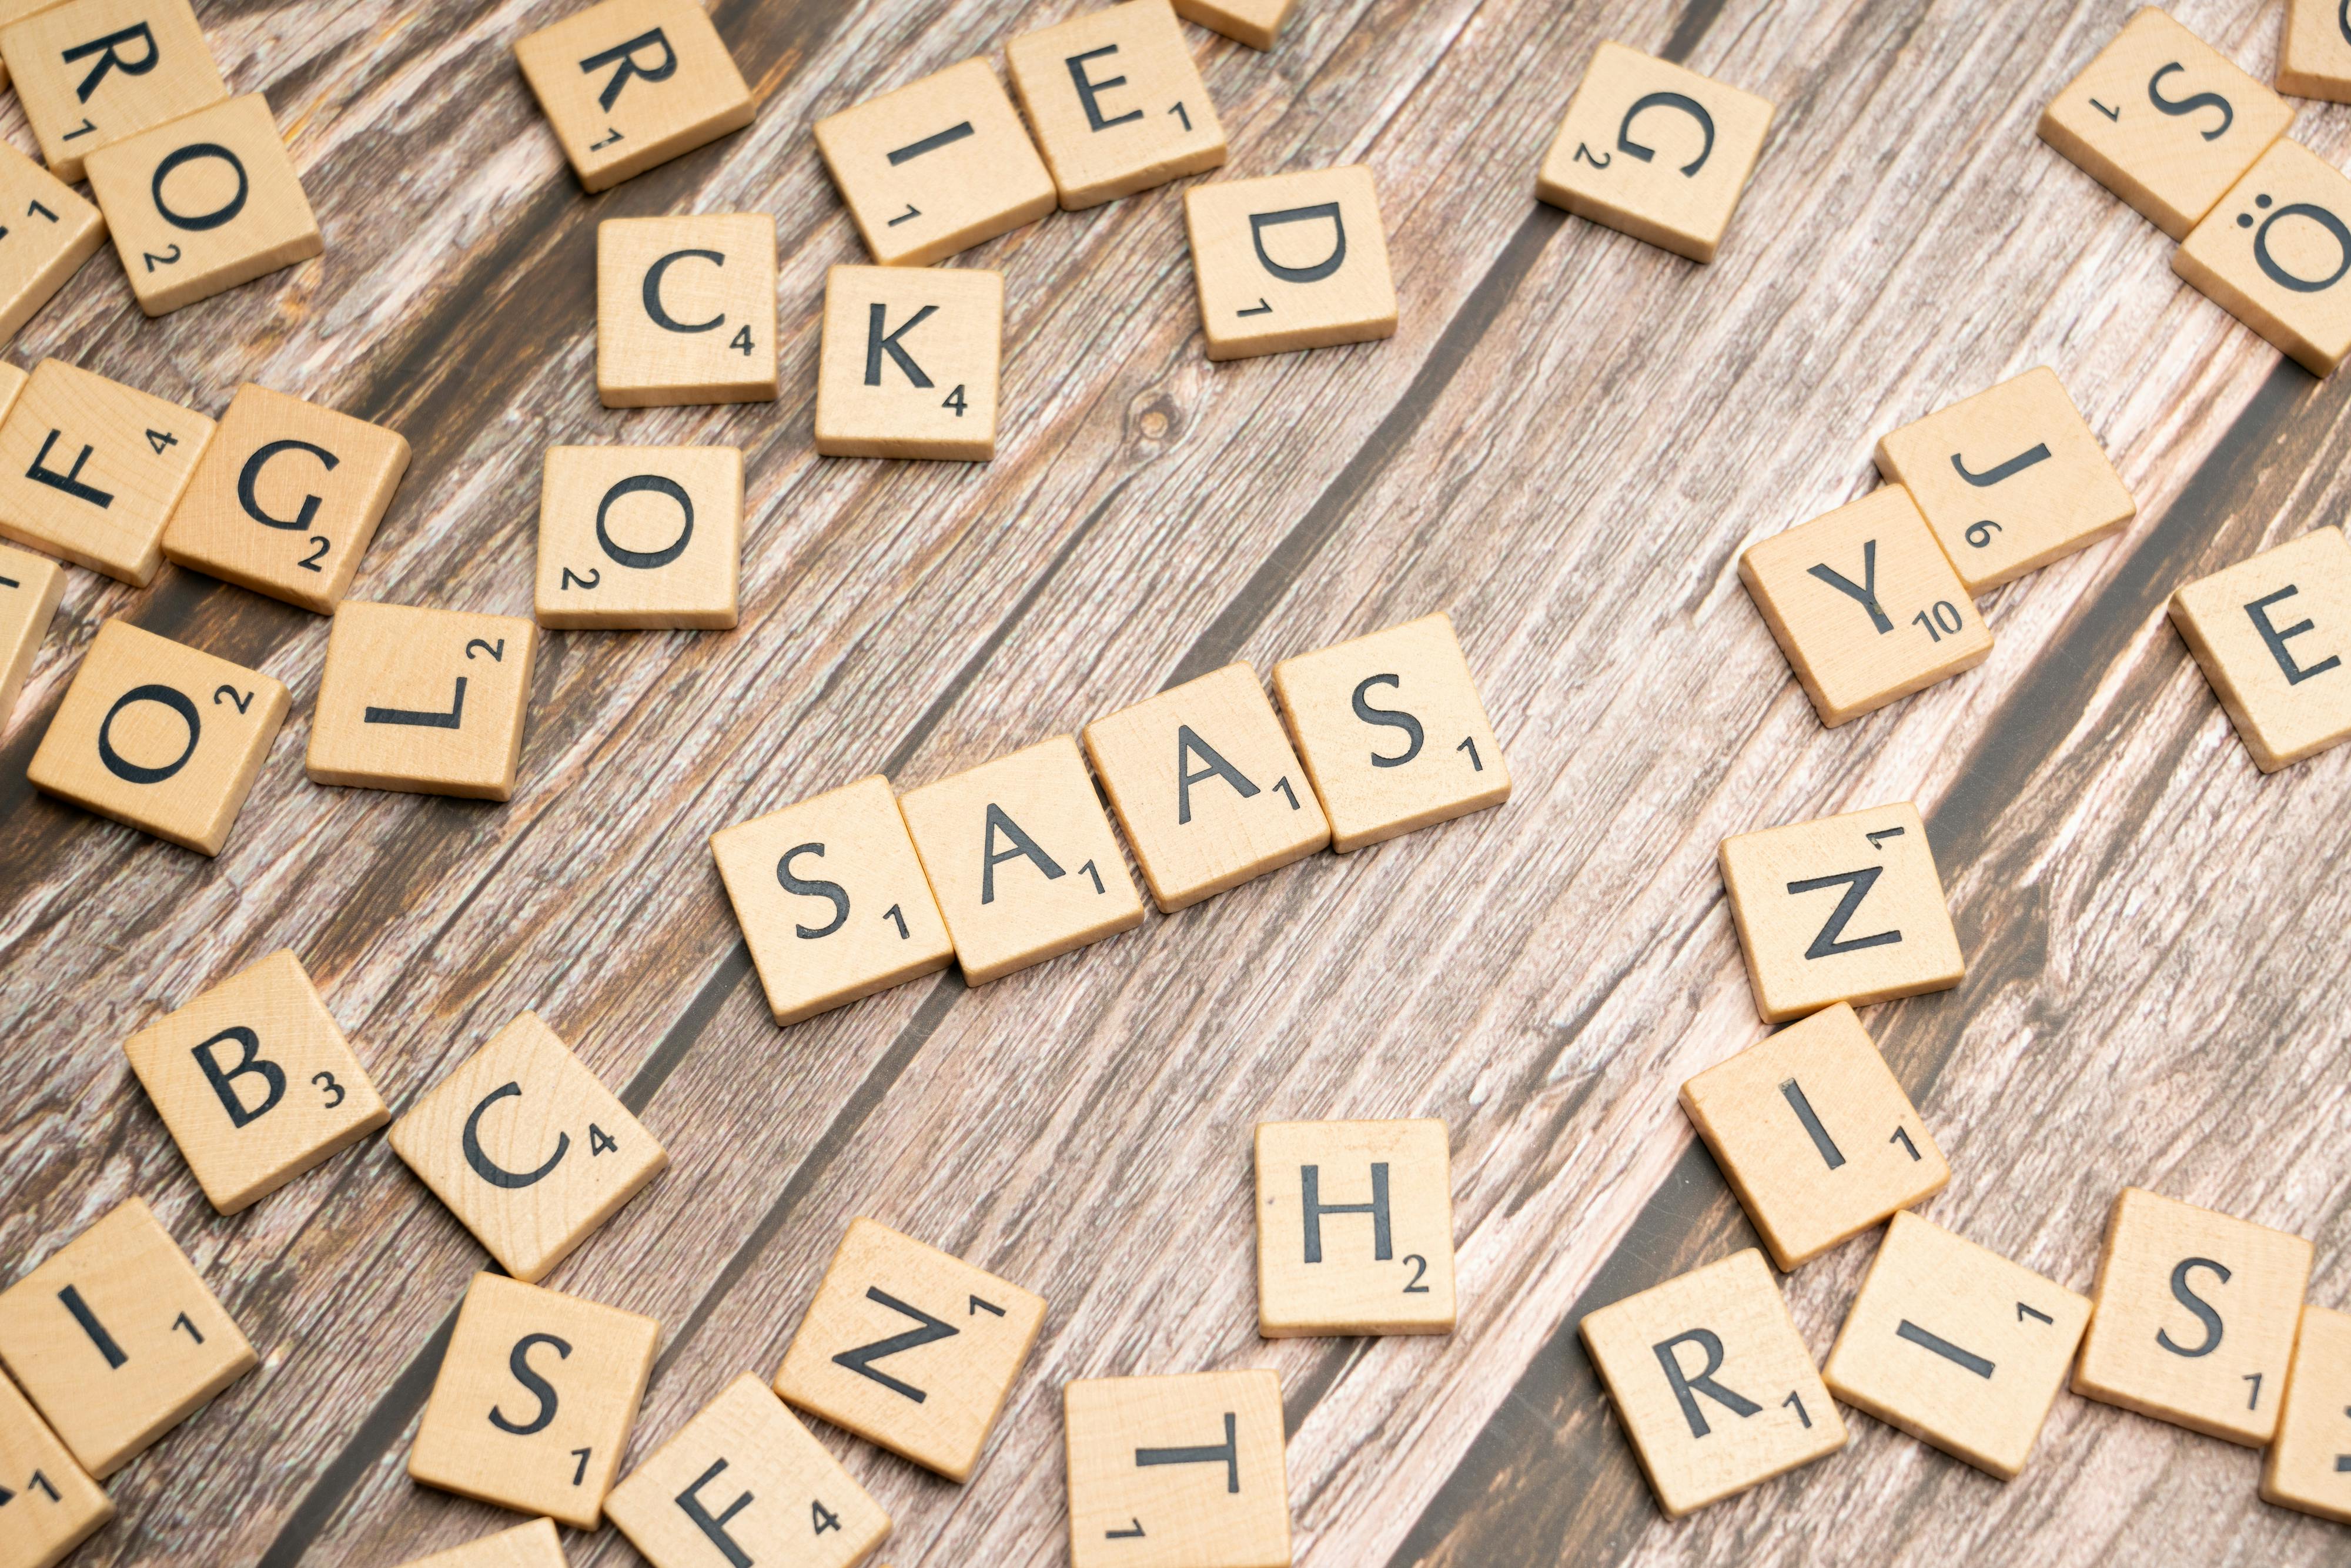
(91, 469)
(634, 537)
(686, 310)
(46, 231)
(2271, 634)
(532, 1545)
(2309, 1464)
(2277, 255)
(908, 364)
(936, 167)
(90, 73)
(1291, 261)
(57, 1505)
(1178, 1472)
(1116, 101)
(30, 587)
(426, 701)
(1354, 1228)
(632, 83)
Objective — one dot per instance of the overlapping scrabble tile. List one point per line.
(2272, 635)
(2277, 255)
(427, 700)
(12, 382)
(629, 84)
(908, 364)
(90, 469)
(936, 167)
(640, 536)
(117, 1340)
(1022, 859)
(1655, 150)
(17, 11)
(30, 587)
(46, 231)
(831, 898)
(90, 73)
(1206, 786)
(159, 736)
(2195, 1319)
(1256, 23)
(1865, 605)
(1712, 1382)
(686, 310)
(49, 1504)
(1116, 102)
(910, 1348)
(745, 1482)
(204, 204)
(1354, 1228)
(2010, 479)
(1392, 733)
(1290, 261)
(533, 1403)
(287, 498)
(1814, 1133)
(1178, 1472)
(532, 1545)
(1846, 908)
(1956, 1345)
(2309, 1463)
(2315, 52)
(256, 1083)
(2163, 120)
(526, 1148)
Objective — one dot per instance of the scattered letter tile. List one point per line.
(831, 899)
(1178, 1472)
(909, 362)
(936, 167)
(2271, 634)
(2196, 1317)
(2315, 54)
(2309, 1465)
(428, 701)
(30, 587)
(532, 1545)
(2277, 255)
(526, 1148)
(1116, 101)
(1814, 1133)
(640, 536)
(90, 73)
(1354, 1228)
(1956, 1345)
(632, 83)
(90, 469)
(117, 1340)
(686, 310)
(1256, 22)
(534, 1401)
(1654, 151)
(910, 1348)
(46, 231)
(50, 1504)
(1841, 909)
(1712, 1382)
(1392, 732)
(1291, 261)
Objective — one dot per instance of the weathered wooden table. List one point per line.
(1565, 446)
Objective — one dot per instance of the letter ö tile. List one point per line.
(936, 167)
(908, 363)
(2277, 255)
(1116, 102)
(686, 310)
(2271, 633)
(90, 469)
(632, 83)
(91, 72)
(1292, 261)
(1178, 1472)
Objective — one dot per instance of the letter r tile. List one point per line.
(630, 84)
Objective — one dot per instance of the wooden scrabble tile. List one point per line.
(526, 1148)
(1956, 1345)
(1354, 1228)
(632, 83)
(428, 701)
(256, 1083)
(159, 736)
(2315, 52)
(204, 204)
(17, 11)
(1292, 261)
(2164, 121)
(831, 899)
(1814, 1133)
(90, 469)
(2271, 634)
(1841, 909)
(1712, 1382)
(534, 1401)
(936, 167)
(90, 73)
(532, 1545)
(2276, 253)
(1656, 151)
(117, 1340)
(2309, 1464)
(2010, 479)
(685, 308)
(287, 497)
(46, 231)
(30, 587)
(745, 1482)
(1116, 102)
(49, 1504)
(1865, 605)
(1178, 1472)
(1392, 732)
(640, 536)
(12, 382)
(1022, 859)
(1206, 786)
(1256, 22)
(910, 1348)
(2195, 1319)
(908, 364)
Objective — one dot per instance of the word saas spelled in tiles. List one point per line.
(936, 167)
(30, 587)
(2315, 52)
(908, 363)
(2277, 255)
(640, 536)
(910, 1348)
(1178, 1472)
(1956, 1345)
(632, 83)
(55, 1505)
(427, 700)
(1712, 1382)
(1814, 1133)
(1354, 1228)
(46, 231)
(117, 1340)
(90, 469)
(2309, 1464)
(1291, 261)
(526, 1148)
(686, 310)
(2271, 633)
(1116, 101)
(1656, 151)
(532, 1545)
(90, 73)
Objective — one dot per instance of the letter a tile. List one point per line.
(632, 83)
(909, 362)
(91, 72)
(1354, 1228)
(639, 537)
(2309, 1465)
(1293, 261)
(55, 1505)
(2314, 53)
(686, 310)
(936, 167)
(1116, 101)
(427, 700)
(1178, 1472)
(526, 1148)
(90, 469)
(2271, 634)
(1712, 1382)
(30, 587)
(2277, 255)
(49, 231)
(532, 1545)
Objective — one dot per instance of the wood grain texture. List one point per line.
(1565, 446)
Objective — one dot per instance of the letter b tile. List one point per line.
(2272, 635)
(1178, 1472)
(909, 362)
(1292, 261)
